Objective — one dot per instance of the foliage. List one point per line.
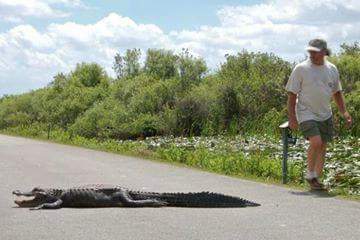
(173, 93)
(352, 100)
(190, 116)
(261, 157)
(253, 157)
(161, 64)
(257, 78)
(127, 65)
(18, 110)
(191, 70)
(89, 75)
(350, 49)
(348, 65)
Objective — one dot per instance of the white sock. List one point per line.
(310, 175)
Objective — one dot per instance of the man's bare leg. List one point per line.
(314, 150)
(315, 153)
(319, 164)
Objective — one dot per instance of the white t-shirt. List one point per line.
(314, 86)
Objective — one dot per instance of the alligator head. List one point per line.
(33, 198)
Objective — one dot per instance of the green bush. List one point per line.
(352, 100)
(190, 116)
(89, 75)
(349, 70)
(161, 64)
(104, 120)
(18, 110)
(173, 94)
(153, 97)
(145, 125)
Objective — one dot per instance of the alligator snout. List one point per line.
(20, 193)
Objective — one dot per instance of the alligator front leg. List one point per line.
(54, 205)
(127, 201)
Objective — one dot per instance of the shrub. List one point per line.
(89, 75)
(145, 125)
(191, 115)
(104, 120)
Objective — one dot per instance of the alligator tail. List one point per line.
(197, 199)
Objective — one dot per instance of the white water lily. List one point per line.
(342, 166)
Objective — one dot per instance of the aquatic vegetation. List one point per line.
(341, 170)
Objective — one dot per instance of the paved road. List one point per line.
(284, 214)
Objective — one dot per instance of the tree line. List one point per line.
(172, 94)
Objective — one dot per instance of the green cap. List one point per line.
(318, 45)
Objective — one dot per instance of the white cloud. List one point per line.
(279, 26)
(38, 56)
(16, 10)
(68, 3)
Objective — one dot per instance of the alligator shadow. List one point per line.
(314, 193)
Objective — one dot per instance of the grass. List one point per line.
(248, 158)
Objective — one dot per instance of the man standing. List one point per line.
(310, 88)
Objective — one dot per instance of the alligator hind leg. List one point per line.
(54, 205)
(124, 198)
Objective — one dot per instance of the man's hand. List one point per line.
(348, 119)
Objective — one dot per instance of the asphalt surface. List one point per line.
(284, 214)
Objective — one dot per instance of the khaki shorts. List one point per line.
(324, 129)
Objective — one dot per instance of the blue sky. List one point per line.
(39, 38)
(168, 14)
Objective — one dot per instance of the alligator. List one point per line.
(99, 195)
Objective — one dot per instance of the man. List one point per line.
(310, 88)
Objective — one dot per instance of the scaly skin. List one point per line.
(115, 196)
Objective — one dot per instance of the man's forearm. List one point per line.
(339, 100)
(291, 106)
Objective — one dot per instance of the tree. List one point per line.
(348, 62)
(59, 82)
(161, 63)
(128, 65)
(350, 49)
(89, 74)
(191, 69)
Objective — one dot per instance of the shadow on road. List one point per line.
(314, 193)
